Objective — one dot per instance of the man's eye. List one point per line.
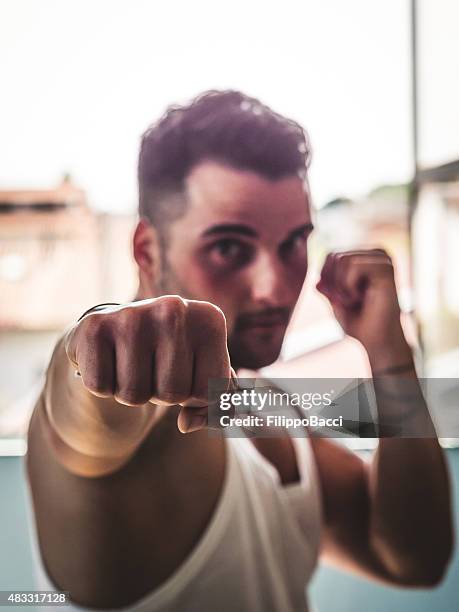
(229, 251)
(227, 248)
(297, 244)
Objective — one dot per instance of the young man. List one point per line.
(130, 512)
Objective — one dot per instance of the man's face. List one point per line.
(242, 245)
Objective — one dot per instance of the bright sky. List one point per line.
(81, 79)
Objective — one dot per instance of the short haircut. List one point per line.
(224, 126)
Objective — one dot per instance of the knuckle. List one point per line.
(96, 330)
(86, 338)
(92, 326)
(126, 321)
(169, 310)
(212, 318)
(216, 312)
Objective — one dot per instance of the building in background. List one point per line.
(57, 258)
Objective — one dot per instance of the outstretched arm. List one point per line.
(109, 471)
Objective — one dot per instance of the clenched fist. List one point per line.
(361, 289)
(162, 350)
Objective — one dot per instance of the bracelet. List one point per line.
(98, 307)
(406, 367)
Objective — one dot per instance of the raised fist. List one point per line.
(162, 350)
(361, 289)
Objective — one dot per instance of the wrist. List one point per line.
(390, 356)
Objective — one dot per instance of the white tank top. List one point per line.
(257, 553)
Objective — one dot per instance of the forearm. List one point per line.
(88, 432)
(410, 522)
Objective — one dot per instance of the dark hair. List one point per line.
(225, 126)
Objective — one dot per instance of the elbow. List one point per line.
(433, 564)
(434, 571)
(424, 576)
(421, 569)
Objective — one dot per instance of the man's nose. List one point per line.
(268, 281)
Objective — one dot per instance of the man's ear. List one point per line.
(147, 252)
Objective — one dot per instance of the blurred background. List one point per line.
(375, 85)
